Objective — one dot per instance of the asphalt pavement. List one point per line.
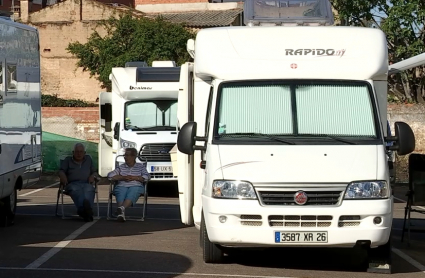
(43, 245)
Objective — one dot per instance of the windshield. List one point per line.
(300, 110)
(151, 115)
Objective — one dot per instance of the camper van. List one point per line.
(283, 134)
(141, 113)
(20, 114)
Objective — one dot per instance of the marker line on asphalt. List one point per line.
(409, 259)
(403, 255)
(146, 272)
(46, 256)
(38, 190)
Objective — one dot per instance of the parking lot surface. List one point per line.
(43, 245)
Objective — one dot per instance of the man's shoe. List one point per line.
(88, 212)
(81, 213)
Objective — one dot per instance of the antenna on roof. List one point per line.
(288, 12)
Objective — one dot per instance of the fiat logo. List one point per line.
(300, 198)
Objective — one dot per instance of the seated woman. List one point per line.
(130, 176)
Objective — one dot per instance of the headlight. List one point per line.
(233, 190)
(367, 190)
(127, 144)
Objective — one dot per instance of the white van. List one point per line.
(292, 124)
(20, 114)
(141, 113)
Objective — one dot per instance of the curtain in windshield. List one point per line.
(247, 109)
(344, 110)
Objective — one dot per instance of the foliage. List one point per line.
(403, 23)
(55, 101)
(131, 39)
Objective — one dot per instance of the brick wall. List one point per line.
(75, 122)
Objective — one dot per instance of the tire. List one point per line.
(380, 259)
(212, 252)
(8, 209)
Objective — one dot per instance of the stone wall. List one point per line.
(59, 25)
(75, 122)
(414, 115)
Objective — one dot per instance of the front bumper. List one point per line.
(249, 224)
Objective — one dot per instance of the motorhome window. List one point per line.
(151, 115)
(1, 77)
(159, 74)
(294, 109)
(18, 114)
(11, 80)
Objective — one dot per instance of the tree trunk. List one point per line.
(407, 92)
(419, 97)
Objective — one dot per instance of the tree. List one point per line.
(403, 23)
(131, 39)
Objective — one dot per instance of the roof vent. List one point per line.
(140, 64)
(288, 12)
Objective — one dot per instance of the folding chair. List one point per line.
(415, 194)
(62, 191)
(112, 184)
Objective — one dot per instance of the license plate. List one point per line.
(162, 169)
(294, 237)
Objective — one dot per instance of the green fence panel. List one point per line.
(56, 147)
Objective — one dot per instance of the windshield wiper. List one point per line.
(161, 128)
(336, 138)
(135, 127)
(258, 135)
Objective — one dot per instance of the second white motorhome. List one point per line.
(20, 114)
(140, 112)
(291, 125)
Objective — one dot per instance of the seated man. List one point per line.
(130, 176)
(77, 174)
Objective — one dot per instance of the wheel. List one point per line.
(8, 209)
(380, 259)
(211, 251)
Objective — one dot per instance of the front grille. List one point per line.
(300, 220)
(349, 221)
(162, 176)
(156, 152)
(286, 198)
(251, 220)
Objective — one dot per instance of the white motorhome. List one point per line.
(20, 114)
(140, 112)
(291, 126)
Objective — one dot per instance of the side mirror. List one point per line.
(404, 139)
(117, 131)
(186, 138)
